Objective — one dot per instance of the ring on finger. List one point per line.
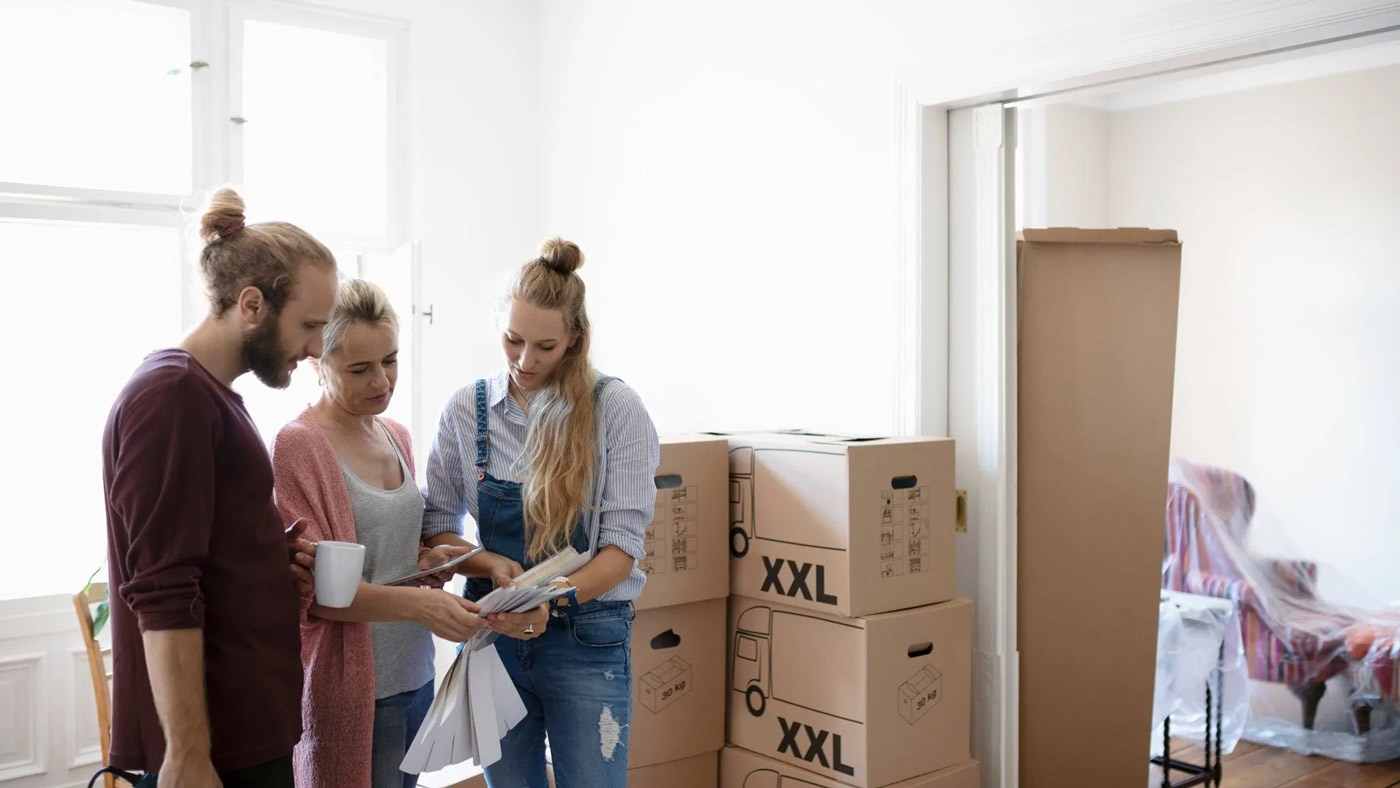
(530, 630)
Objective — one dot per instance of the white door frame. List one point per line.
(958, 297)
(982, 413)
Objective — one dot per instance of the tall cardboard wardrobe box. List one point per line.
(1096, 362)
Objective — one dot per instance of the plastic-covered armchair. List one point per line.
(1289, 636)
(1374, 648)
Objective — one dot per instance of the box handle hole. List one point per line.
(665, 640)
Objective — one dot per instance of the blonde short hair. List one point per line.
(358, 301)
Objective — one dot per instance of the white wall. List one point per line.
(1288, 366)
(475, 99)
(48, 718)
(732, 169)
(1065, 149)
(729, 171)
(733, 173)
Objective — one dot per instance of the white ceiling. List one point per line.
(1295, 68)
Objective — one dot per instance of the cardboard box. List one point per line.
(665, 685)
(700, 771)
(686, 558)
(739, 768)
(1096, 366)
(846, 525)
(863, 701)
(678, 683)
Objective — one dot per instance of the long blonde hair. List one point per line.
(561, 445)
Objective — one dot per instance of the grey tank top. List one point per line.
(389, 523)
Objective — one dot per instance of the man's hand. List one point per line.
(191, 772)
(175, 664)
(301, 557)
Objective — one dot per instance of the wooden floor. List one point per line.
(1253, 766)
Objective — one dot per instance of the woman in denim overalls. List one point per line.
(544, 455)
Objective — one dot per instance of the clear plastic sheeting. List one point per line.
(1289, 634)
(1380, 743)
(1199, 647)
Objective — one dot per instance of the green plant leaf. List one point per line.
(100, 620)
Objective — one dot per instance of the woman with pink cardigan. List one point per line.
(349, 474)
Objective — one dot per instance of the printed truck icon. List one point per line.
(768, 479)
(920, 693)
(666, 684)
(767, 778)
(771, 646)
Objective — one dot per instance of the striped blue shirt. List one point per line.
(629, 484)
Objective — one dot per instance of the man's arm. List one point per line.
(175, 662)
(163, 490)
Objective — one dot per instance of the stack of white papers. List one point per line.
(511, 600)
(478, 704)
(453, 731)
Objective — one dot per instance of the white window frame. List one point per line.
(226, 149)
(215, 33)
(216, 150)
(395, 37)
(38, 632)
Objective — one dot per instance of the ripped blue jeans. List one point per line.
(576, 682)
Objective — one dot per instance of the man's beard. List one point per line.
(262, 354)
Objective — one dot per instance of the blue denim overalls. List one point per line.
(576, 678)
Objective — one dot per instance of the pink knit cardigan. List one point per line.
(337, 704)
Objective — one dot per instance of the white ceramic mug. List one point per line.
(338, 568)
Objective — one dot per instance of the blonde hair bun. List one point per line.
(266, 255)
(561, 255)
(221, 216)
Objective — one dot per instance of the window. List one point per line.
(79, 353)
(111, 110)
(315, 136)
(109, 149)
(746, 648)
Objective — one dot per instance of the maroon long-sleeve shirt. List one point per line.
(195, 542)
